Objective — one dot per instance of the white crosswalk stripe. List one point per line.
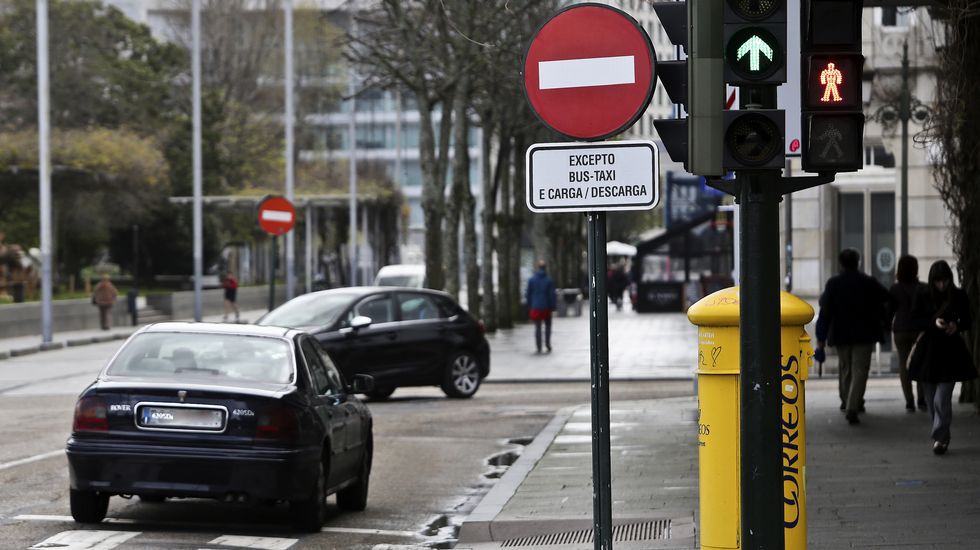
(265, 543)
(86, 540)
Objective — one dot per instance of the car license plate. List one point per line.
(181, 418)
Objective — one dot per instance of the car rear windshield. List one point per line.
(215, 358)
(413, 281)
(310, 310)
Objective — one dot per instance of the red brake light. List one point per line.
(90, 415)
(277, 423)
(483, 327)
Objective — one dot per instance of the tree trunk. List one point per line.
(489, 304)
(505, 310)
(518, 214)
(433, 200)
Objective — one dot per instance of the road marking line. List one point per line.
(592, 71)
(126, 521)
(369, 531)
(277, 215)
(265, 543)
(86, 540)
(30, 459)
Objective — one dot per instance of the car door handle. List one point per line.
(392, 335)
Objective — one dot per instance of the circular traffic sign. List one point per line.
(590, 71)
(276, 215)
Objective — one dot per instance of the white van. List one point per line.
(410, 275)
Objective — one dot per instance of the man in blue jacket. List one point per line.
(852, 309)
(541, 300)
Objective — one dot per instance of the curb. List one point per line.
(20, 352)
(478, 526)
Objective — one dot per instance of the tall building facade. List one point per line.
(862, 209)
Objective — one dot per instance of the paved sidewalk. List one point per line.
(641, 346)
(25, 345)
(874, 485)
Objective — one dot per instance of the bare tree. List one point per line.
(404, 42)
(954, 130)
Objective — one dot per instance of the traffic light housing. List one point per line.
(755, 60)
(831, 67)
(755, 42)
(696, 83)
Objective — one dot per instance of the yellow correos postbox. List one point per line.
(717, 318)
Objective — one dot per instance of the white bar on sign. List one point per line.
(592, 71)
(277, 216)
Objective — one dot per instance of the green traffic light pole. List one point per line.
(758, 193)
(599, 345)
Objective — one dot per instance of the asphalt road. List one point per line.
(435, 458)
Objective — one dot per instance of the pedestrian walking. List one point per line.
(852, 311)
(910, 316)
(940, 357)
(104, 296)
(230, 284)
(616, 283)
(542, 301)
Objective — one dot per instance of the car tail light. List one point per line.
(277, 423)
(483, 327)
(90, 415)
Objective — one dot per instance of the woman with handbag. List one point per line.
(940, 357)
(910, 316)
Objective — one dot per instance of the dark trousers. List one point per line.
(855, 362)
(903, 345)
(547, 333)
(105, 316)
(939, 398)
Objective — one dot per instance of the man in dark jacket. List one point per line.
(541, 301)
(852, 307)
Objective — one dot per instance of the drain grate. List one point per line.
(627, 532)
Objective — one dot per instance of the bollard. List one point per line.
(717, 318)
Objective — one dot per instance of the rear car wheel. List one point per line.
(462, 376)
(354, 497)
(309, 514)
(381, 394)
(88, 506)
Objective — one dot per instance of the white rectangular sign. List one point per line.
(580, 73)
(584, 177)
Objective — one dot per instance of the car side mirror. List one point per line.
(356, 324)
(363, 383)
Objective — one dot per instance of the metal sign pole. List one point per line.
(44, 168)
(272, 273)
(599, 344)
(198, 211)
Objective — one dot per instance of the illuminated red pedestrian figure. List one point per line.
(831, 77)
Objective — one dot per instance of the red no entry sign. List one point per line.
(276, 215)
(590, 71)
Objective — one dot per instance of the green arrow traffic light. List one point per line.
(753, 54)
(754, 47)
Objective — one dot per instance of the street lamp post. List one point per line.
(907, 109)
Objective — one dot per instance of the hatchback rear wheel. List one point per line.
(462, 376)
(88, 506)
(381, 393)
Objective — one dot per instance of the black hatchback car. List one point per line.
(232, 412)
(399, 336)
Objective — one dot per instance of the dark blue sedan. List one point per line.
(231, 412)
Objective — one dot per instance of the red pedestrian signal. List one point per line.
(832, 108)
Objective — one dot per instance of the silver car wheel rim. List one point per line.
(465, 375)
